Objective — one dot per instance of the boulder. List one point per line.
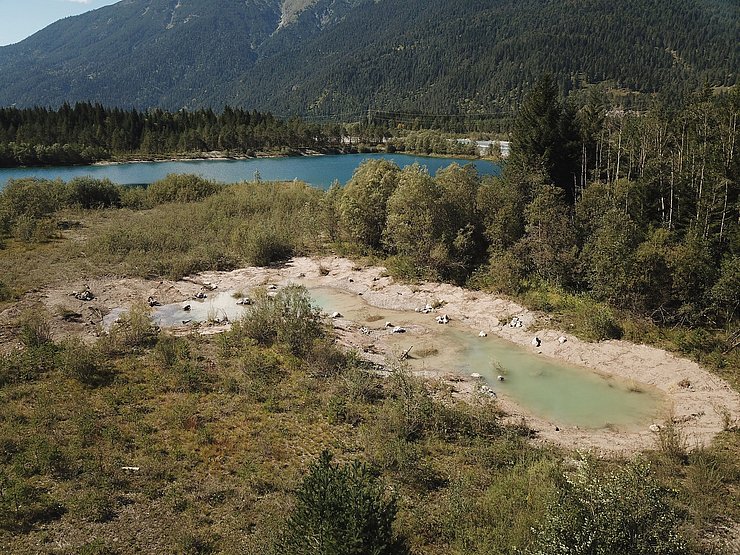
(536, 341)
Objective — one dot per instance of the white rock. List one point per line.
(562, 339)
(500, 378)
(336, 315)
(654, 428)
(443, 319)
(476, 376)
(388, 325)
(536, 342)
(482, 334)
(399, 329)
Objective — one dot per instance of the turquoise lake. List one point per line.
(318, 171)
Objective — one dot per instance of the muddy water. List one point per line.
(216, 306)
(561, 393)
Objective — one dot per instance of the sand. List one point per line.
(700, 403)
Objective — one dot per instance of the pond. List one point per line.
(318, 171)
(561, 393)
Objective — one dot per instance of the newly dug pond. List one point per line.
(611, 396)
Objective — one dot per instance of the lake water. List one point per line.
(561, 393)
(319, 171)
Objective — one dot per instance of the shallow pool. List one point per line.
(561, 393)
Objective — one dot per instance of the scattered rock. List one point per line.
(536, 341)
(153, 302)
(244, 301)
(398, 329)
(85, 295)
(500, 378)
(476, 376)
(272, 287)
(200, 295)
(388, 325)
(482, 334)
(562, 339)
(654, 428)
(444, 319)
(336, 315)
(186, 307)
(364, 331)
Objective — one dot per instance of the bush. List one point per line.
(600, 324)
(263, 247)
(5, 293)
(86, 192)
(85, 364)
(23, 505)
(625, 512)
(288, 319)
(181, 188)
(341, 510)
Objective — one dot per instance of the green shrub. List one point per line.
(341, 510)
(35, 329)
(87, 192)
(95, 506)
(23, 505)
(599, 324)
(263, 247)
(85, 364)
(5, 293)
(181, 188)
(625, 512)
(288, 318)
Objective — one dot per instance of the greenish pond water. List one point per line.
(561, 393)
(318, 171)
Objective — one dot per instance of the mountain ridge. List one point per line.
(323, 57)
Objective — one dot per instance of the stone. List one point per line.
(536, 341)
(482, 334)
(562, 339)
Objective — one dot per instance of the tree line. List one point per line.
(88, 132)
(637, 210)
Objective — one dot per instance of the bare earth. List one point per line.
(700, 403)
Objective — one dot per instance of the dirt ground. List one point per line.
(700, 403)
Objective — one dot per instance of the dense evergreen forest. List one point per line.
(89, 133)
(334, 59)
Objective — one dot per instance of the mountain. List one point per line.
(321, 57)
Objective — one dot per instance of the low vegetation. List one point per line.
(244, 442)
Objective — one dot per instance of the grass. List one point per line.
(223, 428)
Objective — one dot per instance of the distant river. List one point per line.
(319, 171)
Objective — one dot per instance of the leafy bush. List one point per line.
(625, 512)
(288, 319)
(85, 364)
(87, 192)
(263, 247)
(23, 505)
(341, 510)
(181, 188)
(5, 292)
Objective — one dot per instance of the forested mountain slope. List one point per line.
(324, 57)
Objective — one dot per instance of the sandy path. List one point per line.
(700, 408)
